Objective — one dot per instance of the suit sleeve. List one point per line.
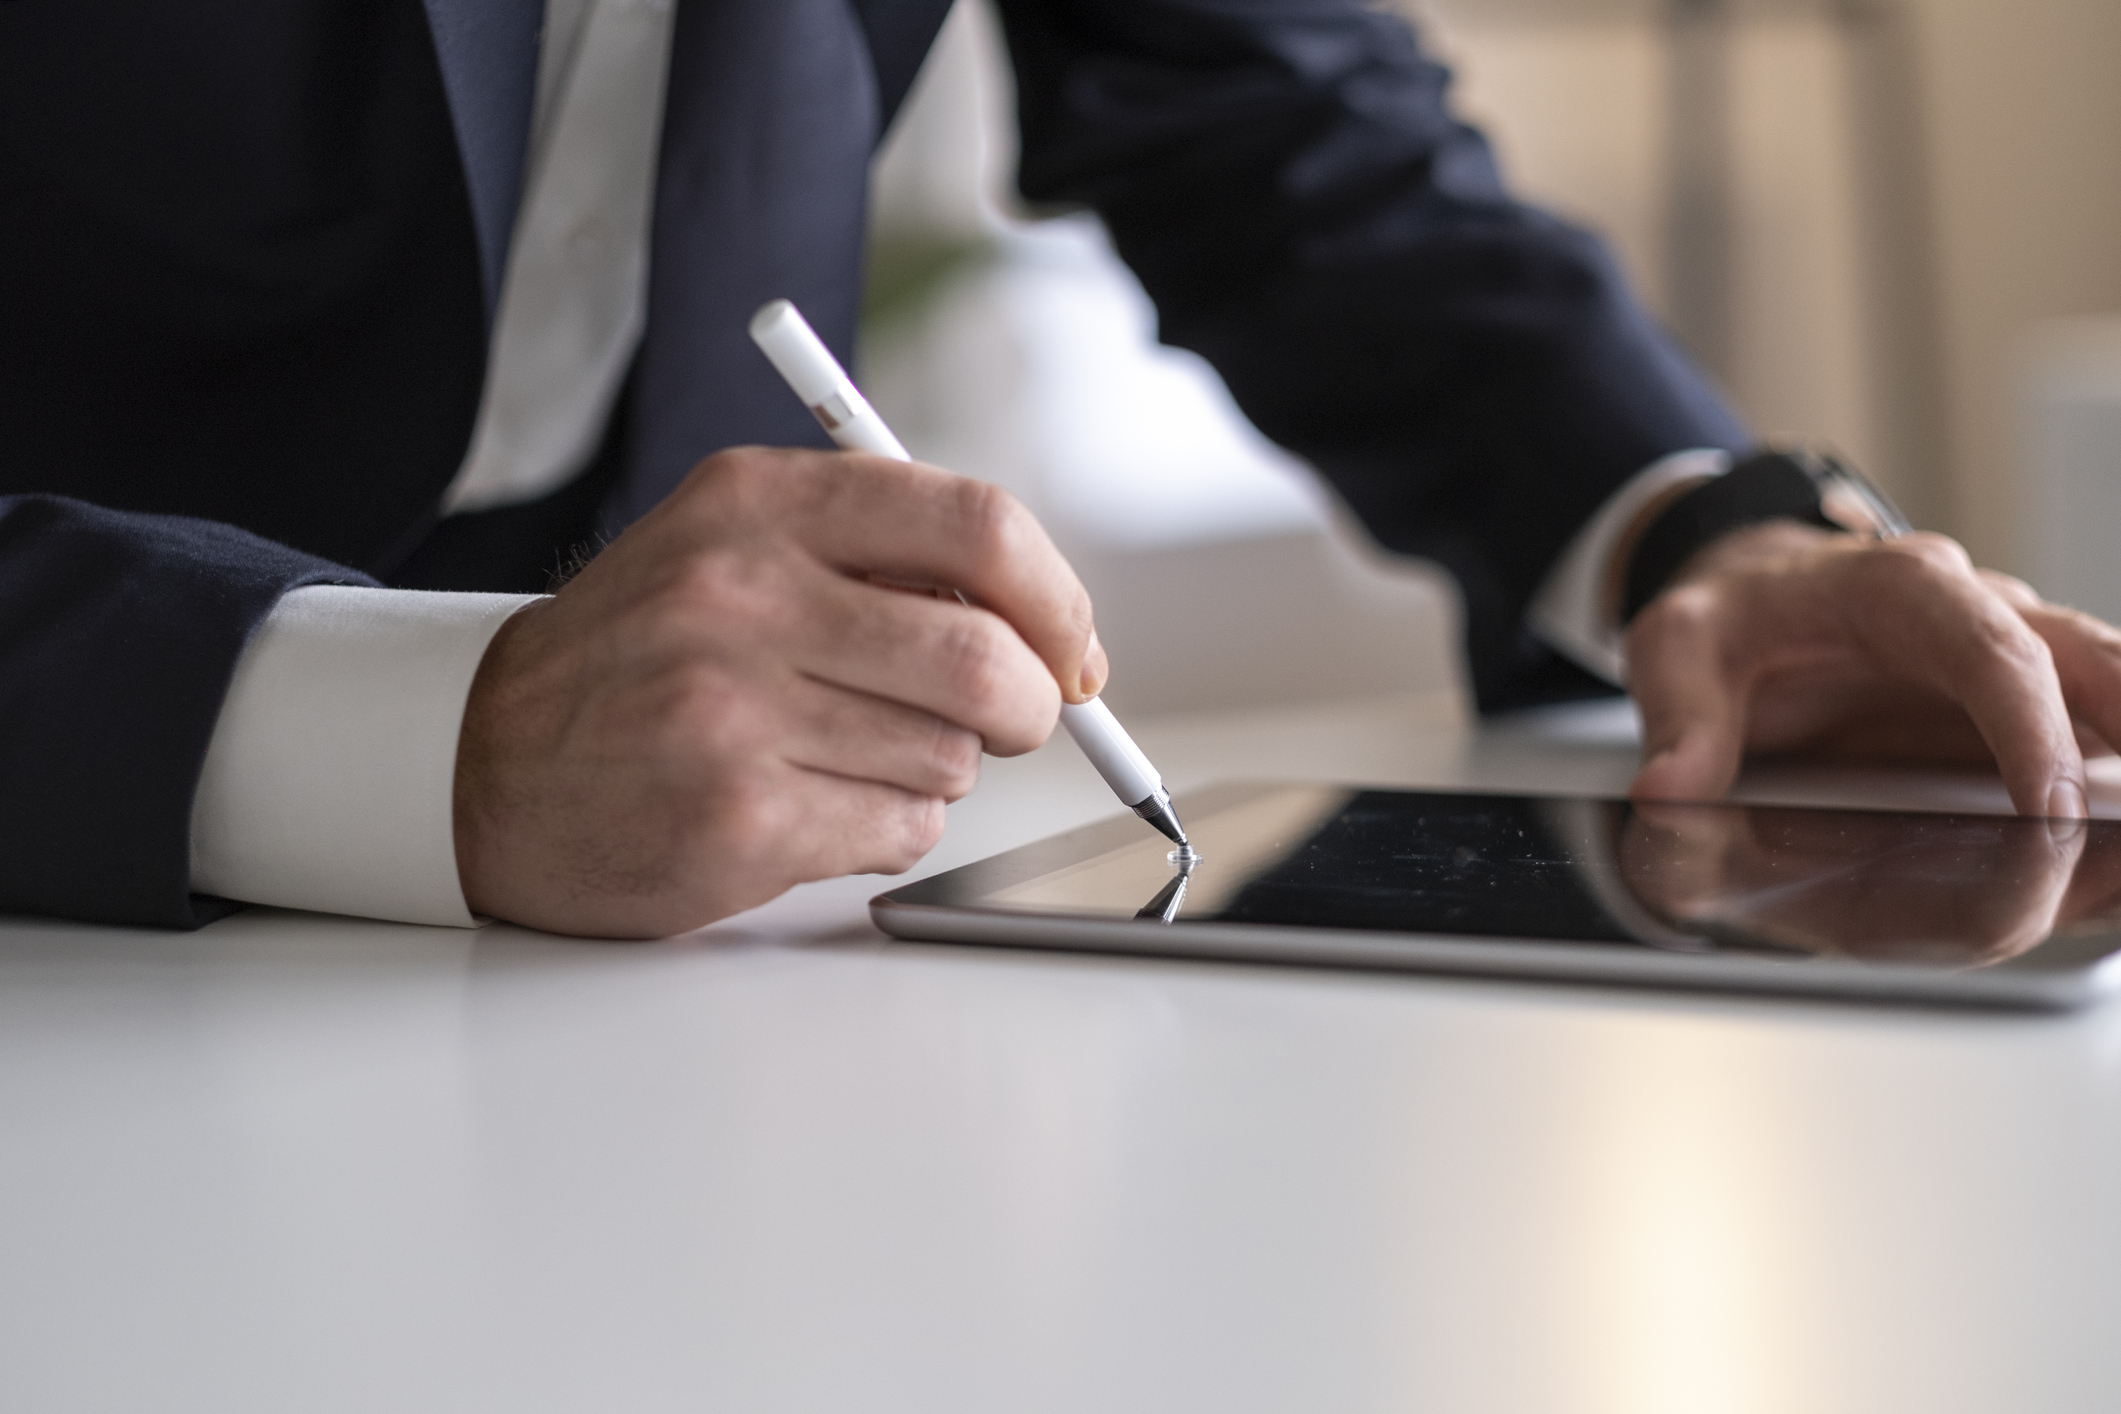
(1286, 177)
(118, 636)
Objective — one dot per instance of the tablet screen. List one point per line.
(1955, 891)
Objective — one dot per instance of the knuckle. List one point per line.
(741, 479)
(1927, 551)
(1003, 537)
(994, 525)
(714, 475)
(1892, 574)
(735, 465)
(957, 759)
(976, 664)
(909, 833)
(1680, 617)
(718, 717)
(2014, 590)
(689, 723)
(746, 820)
(721, 588)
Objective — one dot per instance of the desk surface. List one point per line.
(303, 1163)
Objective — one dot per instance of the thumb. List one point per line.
(1693, 717)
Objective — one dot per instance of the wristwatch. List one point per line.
(1797, 483)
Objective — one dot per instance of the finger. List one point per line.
(962, 664)
(916, 523)
(1853, 711)
(2014, 591)
(2087, 656)
(853, 734)
(1693, 714)
(2085, 660)
(1936, 622)
(817, 825)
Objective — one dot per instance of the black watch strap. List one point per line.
(1763, 486)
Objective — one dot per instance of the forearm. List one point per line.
(1471, 374)
(118, 636)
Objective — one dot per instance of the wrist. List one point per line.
(1765, 487)
(1612, 596)
(478, 810)
(1793, 485)
(1763, 546)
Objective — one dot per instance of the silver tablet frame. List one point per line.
(2063, 972)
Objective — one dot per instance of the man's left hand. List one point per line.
(1782, 638)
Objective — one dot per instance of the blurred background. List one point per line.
(1892, 225)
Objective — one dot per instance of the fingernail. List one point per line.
(1096, 668)
(2066, 811)
(1654, 764)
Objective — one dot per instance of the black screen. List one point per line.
(1934, 889)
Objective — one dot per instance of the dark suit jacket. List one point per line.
(248, 256)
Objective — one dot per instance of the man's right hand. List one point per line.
(727, 703)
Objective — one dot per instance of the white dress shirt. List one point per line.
(329, 781)
(1576, 609)
(574, 301)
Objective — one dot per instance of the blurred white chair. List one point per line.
(2072, 426)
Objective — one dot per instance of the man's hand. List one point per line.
(728, 702)
(1783, 638)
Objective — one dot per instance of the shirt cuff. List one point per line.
(330, 780)
(1575, 611)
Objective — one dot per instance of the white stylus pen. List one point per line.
(786, 338)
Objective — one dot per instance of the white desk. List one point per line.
(298, 1163)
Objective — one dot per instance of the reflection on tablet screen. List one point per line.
(1940, 890)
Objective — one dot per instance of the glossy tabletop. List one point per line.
(304, 1163)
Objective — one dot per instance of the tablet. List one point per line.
(1978, 909)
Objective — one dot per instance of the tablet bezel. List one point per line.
(2062, 972)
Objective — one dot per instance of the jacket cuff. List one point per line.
(329, 782)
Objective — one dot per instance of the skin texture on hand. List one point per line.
(738, 695)
(1787, 639)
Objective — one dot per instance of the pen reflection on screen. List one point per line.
(1172, 896)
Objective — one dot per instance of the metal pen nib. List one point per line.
(1158, 812)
